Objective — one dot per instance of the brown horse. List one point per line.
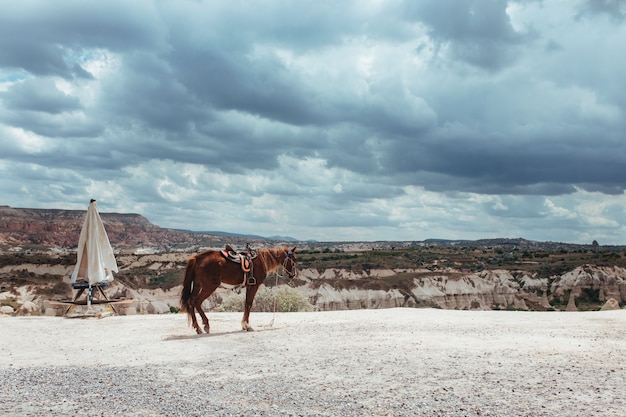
(207, 270)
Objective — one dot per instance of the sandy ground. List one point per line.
(422, 362)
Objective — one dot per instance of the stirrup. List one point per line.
(251, 280)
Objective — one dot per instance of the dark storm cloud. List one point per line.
(496, 164)
(174, 90)
(54, 126)
(40, 95)
(37, 105)
(260, 86)
(478, 32)
(36, 59)
(148, 92)
(365, 110)
(44, 38)
(616, 9)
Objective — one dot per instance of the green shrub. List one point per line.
(282, 300)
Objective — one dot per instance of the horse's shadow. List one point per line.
(215, 334)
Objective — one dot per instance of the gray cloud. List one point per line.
(353, 121)
(40, 95)
(477, 32)
(47, 39)
(615, 9)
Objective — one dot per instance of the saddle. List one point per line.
(244, 258)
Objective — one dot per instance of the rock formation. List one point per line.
(611, 304)
(152, 281)
(571, 302)
(599, 281)
(61, 229)
(447, 289)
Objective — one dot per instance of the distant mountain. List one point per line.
(245, 236)
(57, 228)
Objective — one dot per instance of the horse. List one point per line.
(206, 271)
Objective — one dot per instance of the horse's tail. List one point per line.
(185, 297)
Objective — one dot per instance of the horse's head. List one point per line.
(289, 264)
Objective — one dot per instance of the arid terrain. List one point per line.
(388, 362)
(433, 328)
(38, 253)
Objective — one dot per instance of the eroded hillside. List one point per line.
(333, 279)
(55, 229)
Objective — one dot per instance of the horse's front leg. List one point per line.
(250, 293)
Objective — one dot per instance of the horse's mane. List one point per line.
(271, 258)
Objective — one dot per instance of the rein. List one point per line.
(281, 275)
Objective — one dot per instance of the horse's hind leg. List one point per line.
(204, 294)
(194, 322)
(205, 319)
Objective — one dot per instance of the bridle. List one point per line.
(289, 260)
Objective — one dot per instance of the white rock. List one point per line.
(29, 307)
(7, 310)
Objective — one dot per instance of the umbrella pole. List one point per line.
(89, 297)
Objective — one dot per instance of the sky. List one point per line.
(360, 120)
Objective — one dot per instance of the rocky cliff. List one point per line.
(54, 228)
(152, 282)
(452, 289)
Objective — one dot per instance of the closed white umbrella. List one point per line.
(95, 261)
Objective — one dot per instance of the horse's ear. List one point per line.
(294, 248)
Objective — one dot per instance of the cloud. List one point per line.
(40, 95)
(476, 32)
(360, 120)
(615, 9)
(48, 40)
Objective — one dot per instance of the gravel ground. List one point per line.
(396, 362)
